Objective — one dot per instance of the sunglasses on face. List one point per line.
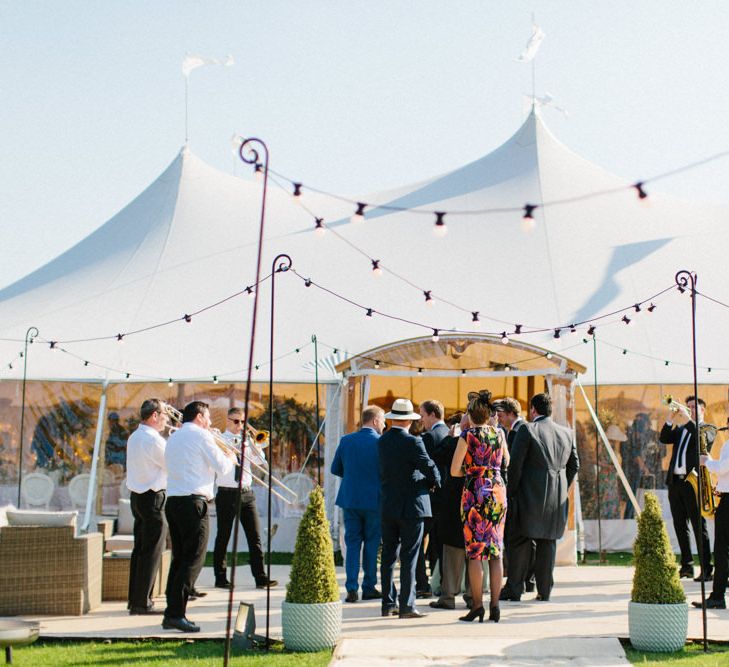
(235, 421)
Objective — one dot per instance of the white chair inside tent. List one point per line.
(37, 489)
(302, 485)
(78, 490)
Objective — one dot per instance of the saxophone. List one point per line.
(708, 499)
(703, 477)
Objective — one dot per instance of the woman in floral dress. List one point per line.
(478, 457)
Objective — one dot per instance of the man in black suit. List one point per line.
(543, 464)
(434, 431)
(508, 411)
(681, 496)
(406, 475)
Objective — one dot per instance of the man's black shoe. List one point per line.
(437, 604)
(711, 603)
(195, 594)
(390, 611)
(181, 624)
(222, 583)
(529, 586)
(412, 614)
(506, 595)
(686, 572)
(145, 611)
(422, 595)
(266, 583)
(707, 577)
(351, 596)
(541, 598)
(374, 594)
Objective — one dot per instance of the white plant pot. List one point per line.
(311, 627)
(658, 627)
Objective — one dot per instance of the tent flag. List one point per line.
(535, 41)
(192, 61)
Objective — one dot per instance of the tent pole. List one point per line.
(91, 493)
(600, 555)
(318, 425)
(30, 334)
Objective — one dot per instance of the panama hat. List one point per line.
(402, 408)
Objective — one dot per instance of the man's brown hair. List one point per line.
(433, 407)
(510, 405)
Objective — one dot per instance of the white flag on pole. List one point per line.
(532, 46)
(192, 61)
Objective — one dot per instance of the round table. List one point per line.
(16, 633)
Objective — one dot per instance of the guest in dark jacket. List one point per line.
(543, 464)
(434, 431)
(407, 474)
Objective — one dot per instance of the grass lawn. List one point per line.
(137, 654)
(691, 656)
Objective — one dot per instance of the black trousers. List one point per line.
(188, 521)
(721, 548)
(225, 502)
(685, 509)
(400, 537)
(531, 554)
(432, 554)
(149, 541)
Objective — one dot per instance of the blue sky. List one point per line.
(350, 96)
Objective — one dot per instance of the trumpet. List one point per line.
(261, 438)
(675, 406)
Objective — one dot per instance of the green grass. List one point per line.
(277, 558)
(157, 653)
(691, 656)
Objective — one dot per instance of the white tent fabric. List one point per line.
(189, 240)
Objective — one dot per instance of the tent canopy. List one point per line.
(189, 241)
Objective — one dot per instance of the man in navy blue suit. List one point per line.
(407, 474)
(356, 461)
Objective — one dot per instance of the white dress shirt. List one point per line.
(193, 459)
(720, 468)
(146, 469)
(228, 479)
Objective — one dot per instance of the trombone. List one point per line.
(231, 449)
(258, 439)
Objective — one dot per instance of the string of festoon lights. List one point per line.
(628, 314)
(526, 211)
(128, 374)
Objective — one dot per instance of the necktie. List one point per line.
(681, 458)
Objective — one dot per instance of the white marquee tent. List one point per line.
(188, 241)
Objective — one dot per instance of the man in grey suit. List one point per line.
(543, 464)
(407, 473)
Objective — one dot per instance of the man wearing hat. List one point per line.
(407, 474)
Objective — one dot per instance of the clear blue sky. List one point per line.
(350, 96)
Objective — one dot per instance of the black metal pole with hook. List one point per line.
(30, 334)
(249, 153)
(281, 263)
(318, 423)
(600, 556)
(686, 279)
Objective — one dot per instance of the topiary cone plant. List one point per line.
(312, 611)
(658, 613)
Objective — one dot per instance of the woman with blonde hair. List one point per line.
(478, 457)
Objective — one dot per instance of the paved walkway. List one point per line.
(578, 626)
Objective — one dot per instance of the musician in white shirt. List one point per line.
(147, 481)
(721, 528)
(192, 459)
(225, 507)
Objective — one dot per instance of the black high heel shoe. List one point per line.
(494, 614)
(473, 614)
